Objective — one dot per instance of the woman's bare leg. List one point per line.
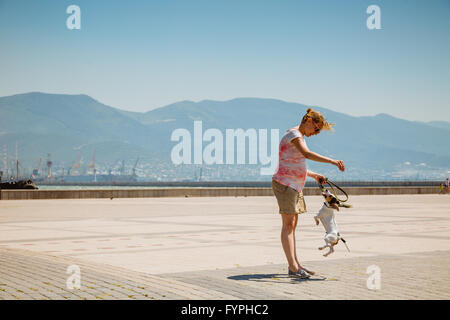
(295, 249)
(288, 240)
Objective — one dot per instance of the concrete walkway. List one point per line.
(221, 248)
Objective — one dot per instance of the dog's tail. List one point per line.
(345, 242)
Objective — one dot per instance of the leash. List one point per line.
(333, 186)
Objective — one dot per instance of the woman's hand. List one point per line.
(320, 178)
(340, 164)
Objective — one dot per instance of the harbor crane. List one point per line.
(77, 165)
(92, 164)
(36, 171)
(49, 166)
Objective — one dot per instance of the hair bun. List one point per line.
(308, 110)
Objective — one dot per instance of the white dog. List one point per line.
(332, 237)
(327, 217)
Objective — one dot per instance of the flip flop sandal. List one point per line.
(301, 274)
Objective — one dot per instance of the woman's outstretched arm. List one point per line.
(308, 154)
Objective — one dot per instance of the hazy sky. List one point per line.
(139, 55)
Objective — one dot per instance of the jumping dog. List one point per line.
(326, 215)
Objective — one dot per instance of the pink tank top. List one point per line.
(292, 168)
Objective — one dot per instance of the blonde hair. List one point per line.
(318, 118)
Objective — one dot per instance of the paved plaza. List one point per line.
(221, 248)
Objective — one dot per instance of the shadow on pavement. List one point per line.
(274, 277)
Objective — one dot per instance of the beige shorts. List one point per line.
(289, 200)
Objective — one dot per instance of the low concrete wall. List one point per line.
(239, 184)
(194, 192)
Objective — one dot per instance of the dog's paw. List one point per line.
(316, 220)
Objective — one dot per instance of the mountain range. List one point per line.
(62, 124)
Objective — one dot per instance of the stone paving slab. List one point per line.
(410, 276)
(423, 275)
(220, 248)
(29, 275)
(189, 234)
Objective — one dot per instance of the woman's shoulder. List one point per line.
(293, 133)
(293, 129)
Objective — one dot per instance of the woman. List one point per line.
(289, 180)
